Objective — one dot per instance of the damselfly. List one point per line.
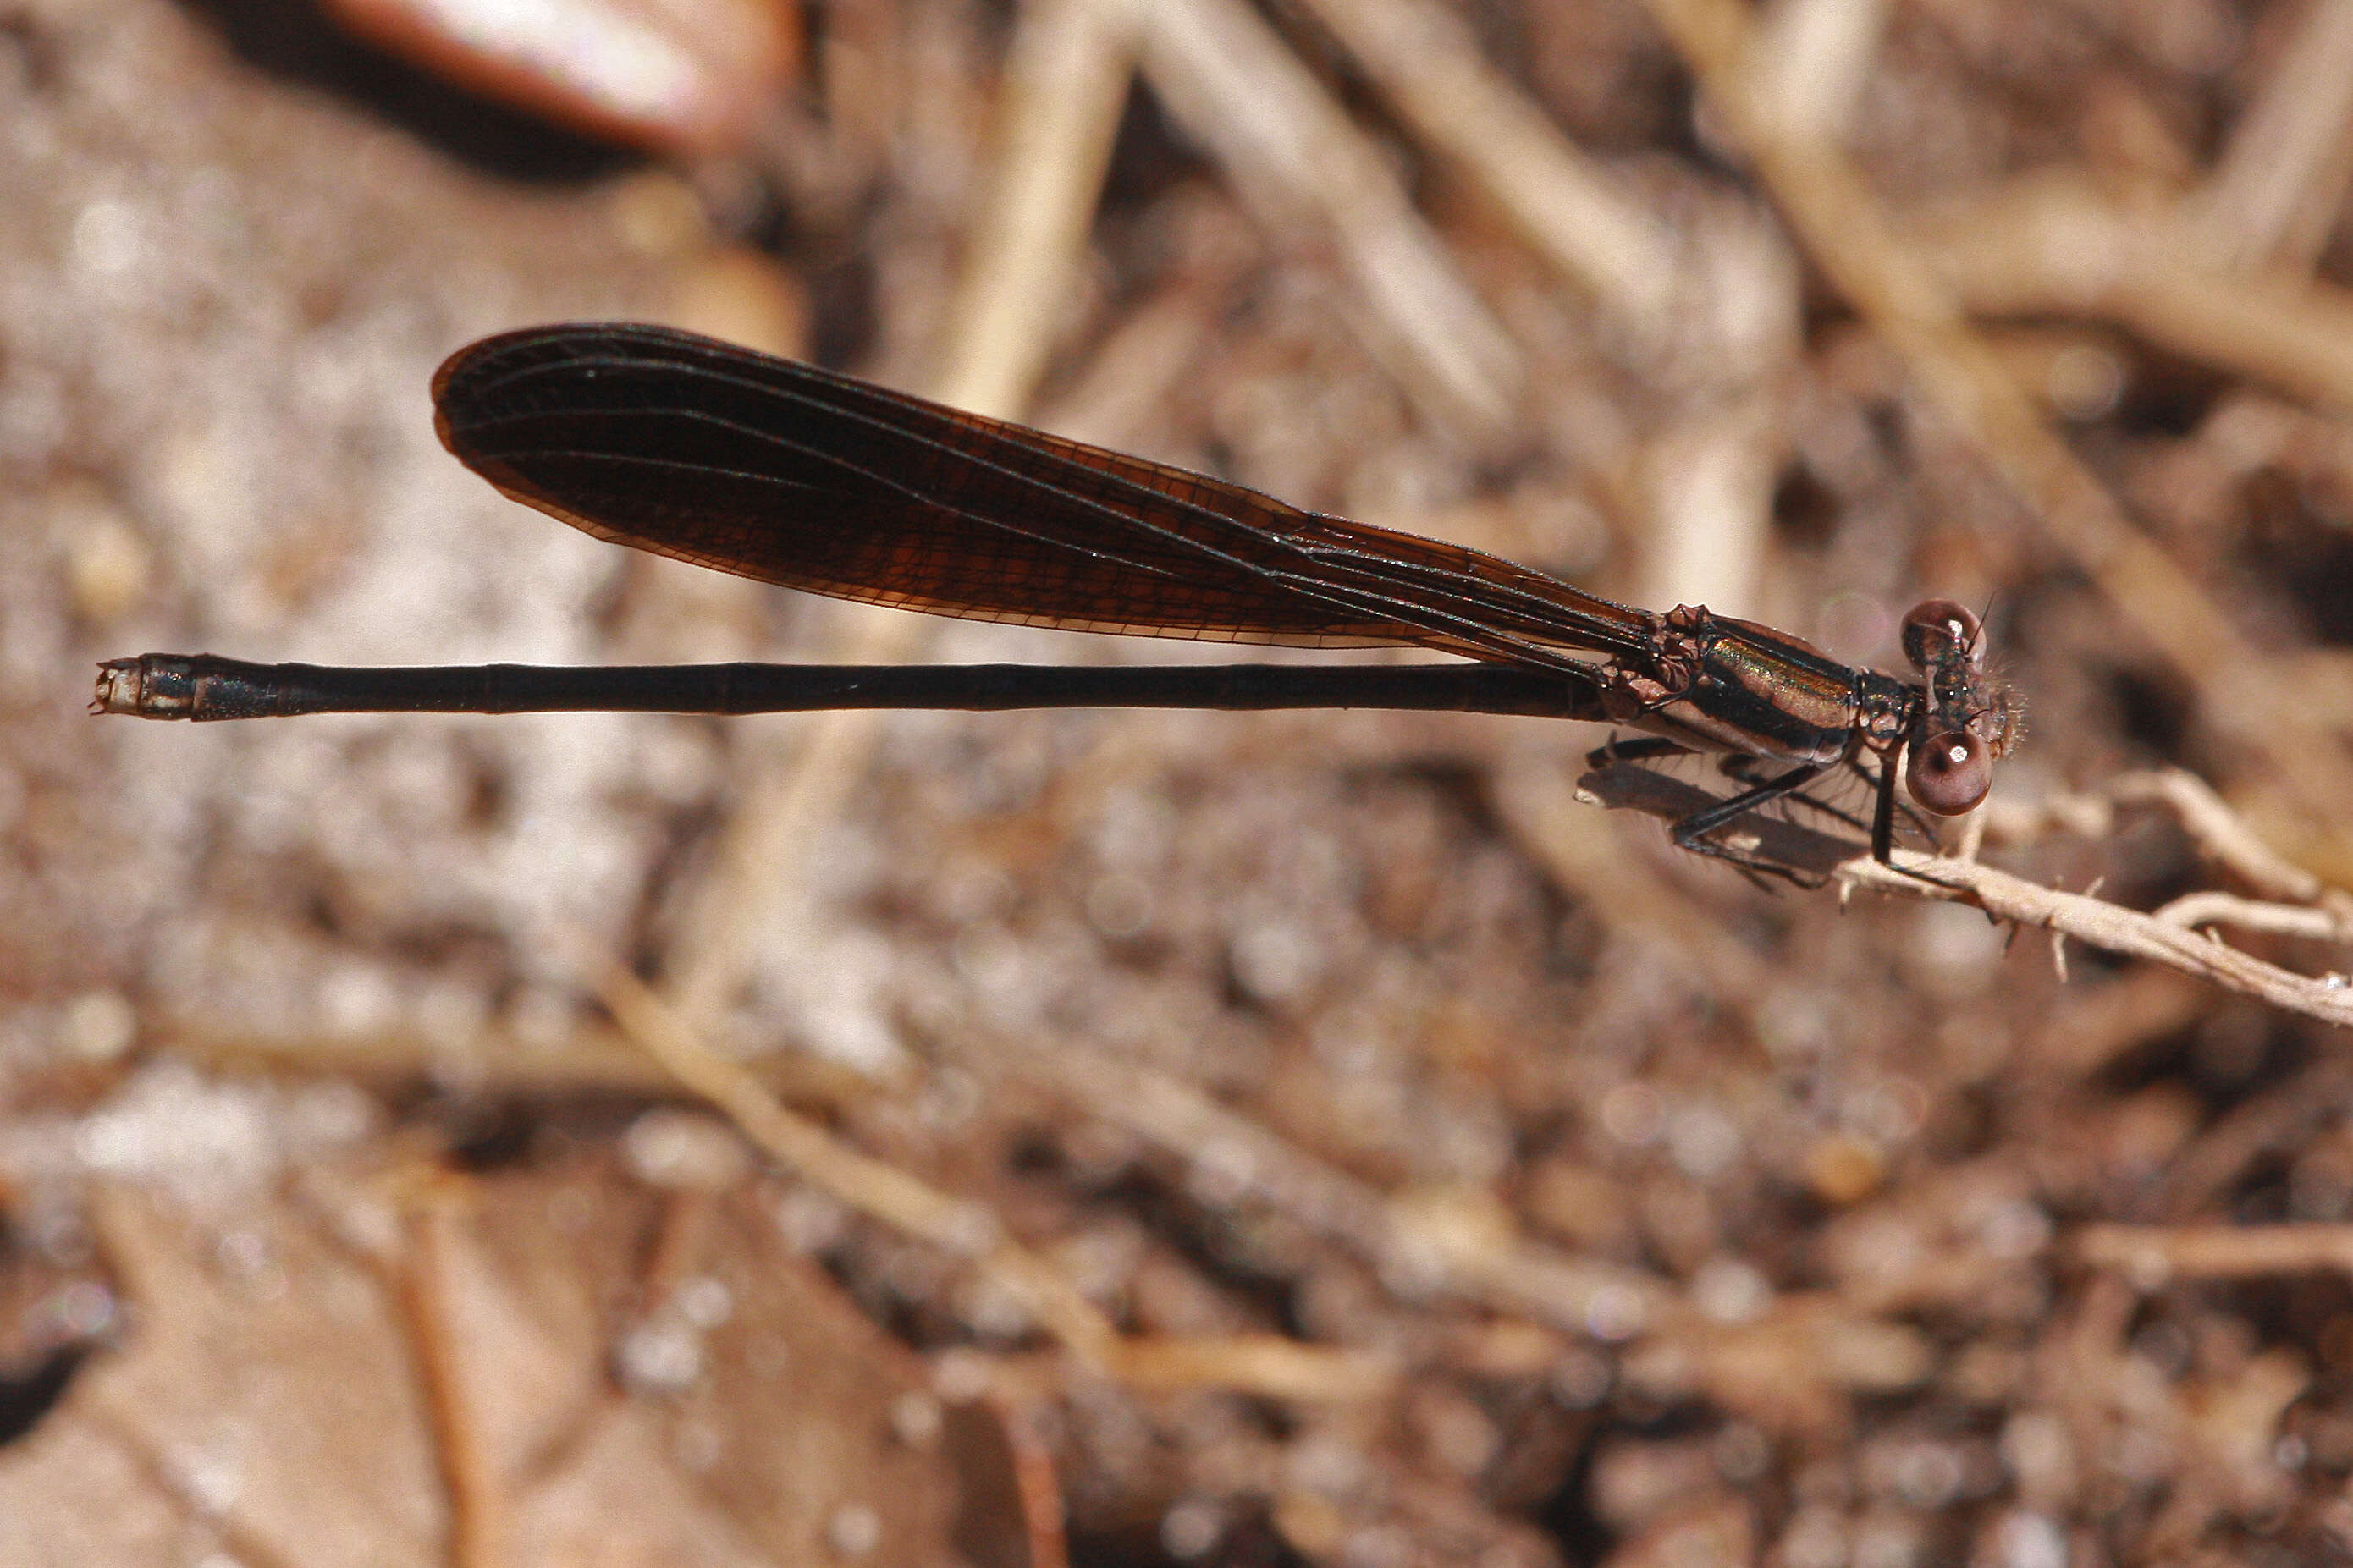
(793, 475)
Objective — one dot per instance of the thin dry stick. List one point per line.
(1570, 210)
(2194, 911)
(1305, 170)
(2151, 1256)
(872, 1186)
(1843, 227)
(166, 1468)
(1715, 306)
(1065, 82)
(2278, 1121)
(477, 1529)
(394, 1059)
(1812, 852)
(2224, 835)
(2051, 244)
(1263, 1364)
(1816, 60)
(1422, 1248)
(2277, 188)
(2220, 833)
(2109, 927)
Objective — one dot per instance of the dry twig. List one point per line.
(1307, 172)
(2277, 188)
(1568, 209)
(2051, 244)
(2151, 1256)
(477, 1500)
(1066, 82)
(2220, 833)
(2109, 927)
(2082, 916)
(1263, 1364)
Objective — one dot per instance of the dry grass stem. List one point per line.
(1567, 208)
(1430, 1245)
(1310, 176)
(2220, 834)
(1266, 1365)
(2110, 927)
(1815, 58)
(1711, 481)
(873, 1187)
(474, 1491)
(2053, 246)
(2276, 190)
(2153, 1256)
(169, 1471)
(2194, 910)
(593, 1059)
(1066, 83)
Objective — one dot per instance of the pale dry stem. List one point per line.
(1816, 60)
(2050, 243)
(2220, 833)
(2152, 1255)
(1567, 208)
(2110, 927)
(1310, 176)
(1261, 1365)
(1067, 81)
(1424, 1244)
(2276, 189)
(477, 1522)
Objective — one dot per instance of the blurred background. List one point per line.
(1196, 1138)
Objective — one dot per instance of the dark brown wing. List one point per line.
(792, 475)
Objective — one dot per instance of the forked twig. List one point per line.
(2166, 936)
(2110, 927)
(2220, 833)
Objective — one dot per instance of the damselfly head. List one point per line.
(1968, 719)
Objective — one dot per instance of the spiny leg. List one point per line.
(1650, 748)
(1883, 823)
(1690, 833)
(1749, 770)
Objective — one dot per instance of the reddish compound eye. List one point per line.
(1935, 627)
(1949, 773)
